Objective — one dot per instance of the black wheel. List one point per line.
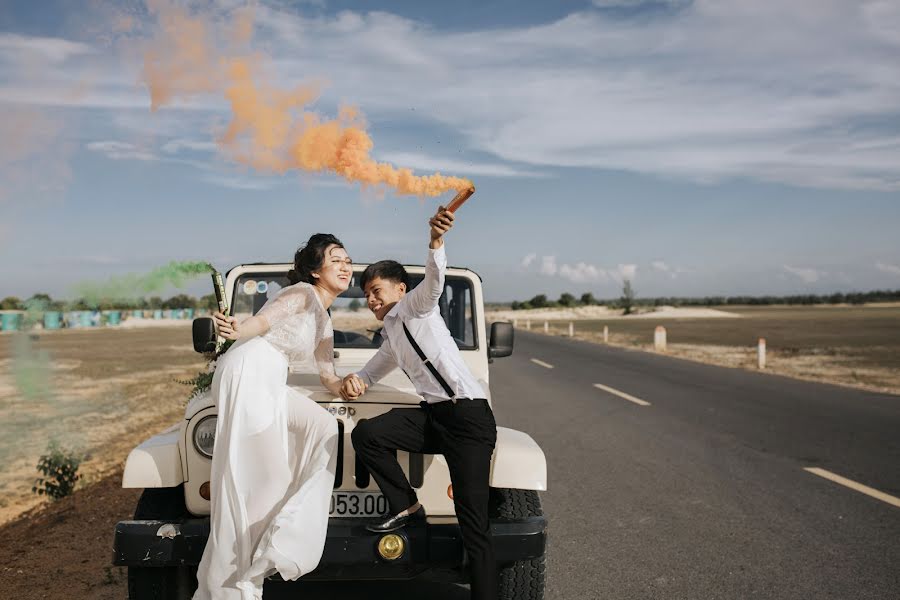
(161, 583)
(523, 579)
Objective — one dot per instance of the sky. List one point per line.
(707, 147)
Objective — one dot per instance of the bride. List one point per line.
(273, 464)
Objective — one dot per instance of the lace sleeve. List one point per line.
(291, 300)
(325, 353)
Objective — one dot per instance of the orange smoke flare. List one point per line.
(268, 130)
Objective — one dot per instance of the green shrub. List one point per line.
(59, 468)
(203, 380)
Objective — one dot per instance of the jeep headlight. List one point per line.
(205, 435)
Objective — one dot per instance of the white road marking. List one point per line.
(616, 392)
(854, 486)
(542, 363)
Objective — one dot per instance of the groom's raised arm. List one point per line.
(422, 300)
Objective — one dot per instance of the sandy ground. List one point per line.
(603, 312)
(834, 365)
(106, 389)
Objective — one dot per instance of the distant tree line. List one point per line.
(45, 302)
(628, 300)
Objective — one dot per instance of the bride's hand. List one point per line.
(228, 326)
(352, 387)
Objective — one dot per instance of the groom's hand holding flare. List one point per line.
(440, 223)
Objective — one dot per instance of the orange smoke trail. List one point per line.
(269, 129)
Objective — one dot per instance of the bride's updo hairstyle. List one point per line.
(310, 257)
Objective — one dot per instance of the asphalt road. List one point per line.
(703, 493)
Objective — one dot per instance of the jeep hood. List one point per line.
(396, 388)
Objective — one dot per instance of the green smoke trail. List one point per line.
(31, 370)
(130, 287)
(37, 412)
(34, 311)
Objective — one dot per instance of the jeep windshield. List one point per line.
(354, 324)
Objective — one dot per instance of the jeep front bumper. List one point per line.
(350, 550)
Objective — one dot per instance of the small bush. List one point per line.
(203, 380)
(59, 468)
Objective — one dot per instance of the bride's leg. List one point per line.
(249, 476)
(294, 543)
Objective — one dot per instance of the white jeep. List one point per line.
(163, 544)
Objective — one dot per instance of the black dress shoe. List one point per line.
(396, 522)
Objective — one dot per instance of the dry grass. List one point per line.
(856, 346)
(110, 390)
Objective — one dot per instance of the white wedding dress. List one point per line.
(273, 463)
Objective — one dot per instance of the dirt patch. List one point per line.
(64, 550)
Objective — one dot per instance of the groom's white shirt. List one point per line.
(419, 310)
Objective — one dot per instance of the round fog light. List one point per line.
(204, 491)
(391, 546)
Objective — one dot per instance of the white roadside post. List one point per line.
(606, 334)
(546, 327)
(528, 324)
(515, 323)
(571, 329)
(761, 353)
(659, 338)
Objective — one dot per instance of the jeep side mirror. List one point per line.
(502, 334)
(204, 332)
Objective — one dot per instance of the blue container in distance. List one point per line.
(85, 318)
(189, 313)
(137, 314)
(52, 319)
(9, 321)
(113, 317)
(157, 314)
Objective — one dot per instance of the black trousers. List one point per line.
(465, 433)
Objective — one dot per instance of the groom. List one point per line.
(454, 420)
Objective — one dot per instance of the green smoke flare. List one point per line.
(131, 287)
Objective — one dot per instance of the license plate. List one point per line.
(358, 504)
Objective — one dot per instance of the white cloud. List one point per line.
(689, 94)
(635, 3)
(25, 49)
(239, 183)
(177, 145)
(807, 275)
(887, 268)
(457, 167)
(628, 272)
(548, 266)
(117, 150)
(663, 267)
(582, 273)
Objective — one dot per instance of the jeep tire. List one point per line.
(523, 579)
(161, 583)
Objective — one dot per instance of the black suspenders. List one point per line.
(428, 364)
